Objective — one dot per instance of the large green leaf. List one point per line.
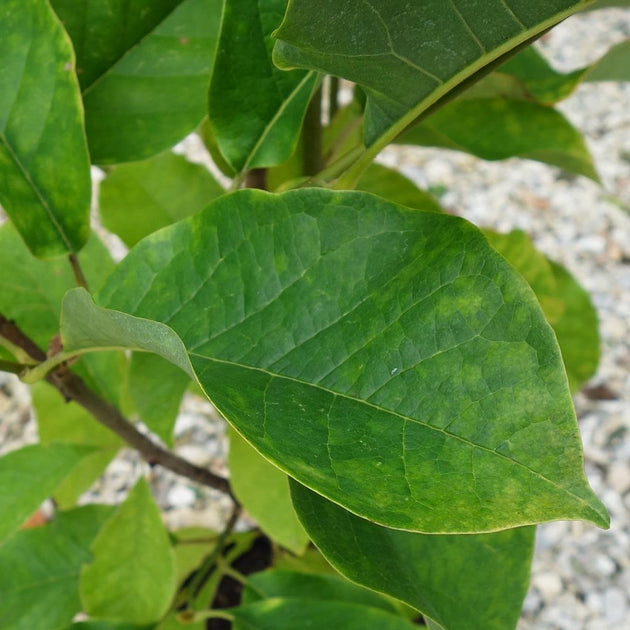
(67, 422)
(132, 575)
(146, 68)
(39, 581)
(256, 110)
(444, 576)
(385, 357)
(263, 491)
(142, 197)
(30, 475)
(567, 306)
(291, 613)
(44, 165)
(499, 128)
(407, 56)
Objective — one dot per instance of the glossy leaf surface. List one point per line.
(263, 491)
(67, 422)
(499, 128)
(142, 197)
(30, 475)
(39, 581)
(132, 575)
(256, 109)
(445, 577)
(406, 56)
(567, 306)
(44, 165)
(364, 348)
(289, 614)
(144, 89)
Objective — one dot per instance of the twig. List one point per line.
(79, 276)
(72, 387)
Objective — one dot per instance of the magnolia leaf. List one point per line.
(132, 574)
(263, 490)
(145, 71)
(30, 475)
(613, 66)
(44, 166)
(445, 577)
(567, 306)
(290, 613)
(39, 581)
(67, 422)
(256, 110)
(142, 197)
(407, 56)
(499, 128)
(386, 357)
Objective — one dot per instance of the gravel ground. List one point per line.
(581, 575)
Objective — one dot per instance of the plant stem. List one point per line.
(16, 351)
(312, 136)
(231, 572)
(72, 387)
(256, 178)
(333, 97)
(11, 366)
(79, 276)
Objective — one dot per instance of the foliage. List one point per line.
(397, 383)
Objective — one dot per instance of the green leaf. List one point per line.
(146, 71)
(30, 475)
(386, 357)
(445, 577)
(289, 614)
(39, 581)
(291, 584)
(393, 186)
(156, 388)
(499, 128)
(110, 625)
(44, 166)
(407, 56)
(256, 110)
(263, 491)
(192, 545)
(567, 307)
(67, 422)
(613, 66)
(142, 197)
(132, 575)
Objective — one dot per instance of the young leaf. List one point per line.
(264, 492)
(407, 56)
(289, 613)
(61, 421)
(39, 581)
(500, 128)
(567, 307)
(146, 68)
(44, 166)
(256, 110)
(142, 197)
(385, 357)
(445, 576)
(30, 475)
(132, 575)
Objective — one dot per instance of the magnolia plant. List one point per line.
(397, 383)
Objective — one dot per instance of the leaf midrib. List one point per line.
(391, 412)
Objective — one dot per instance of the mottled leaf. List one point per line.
(386, 357)
(44, 164)
(142, 197)
(132, 574)
(263, 490)
(256, 110)
(499, 128)
(39, 581)
(445, 577)
(30, 475)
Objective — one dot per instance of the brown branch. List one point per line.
(72, 387)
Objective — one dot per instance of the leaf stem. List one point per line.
(79, 276)
(11, 366)
(72, 387)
